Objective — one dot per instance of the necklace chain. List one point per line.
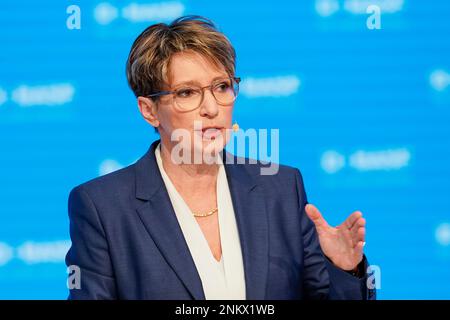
(196, 214)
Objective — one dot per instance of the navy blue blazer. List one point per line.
(128, 244)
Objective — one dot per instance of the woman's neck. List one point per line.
(195, 178)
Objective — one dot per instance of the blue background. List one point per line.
(363, 113)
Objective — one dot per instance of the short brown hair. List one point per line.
(150, 54)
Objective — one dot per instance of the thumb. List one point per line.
(315, 215)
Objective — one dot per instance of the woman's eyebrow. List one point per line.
(191, 82)
(196, 83)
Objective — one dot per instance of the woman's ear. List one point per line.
(148, 109)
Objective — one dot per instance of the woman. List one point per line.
(175, 226)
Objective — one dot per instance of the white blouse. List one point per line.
(222, 280)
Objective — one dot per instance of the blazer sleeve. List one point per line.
(321, 278)
(89, 252)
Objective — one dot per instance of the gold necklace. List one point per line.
(205, 214)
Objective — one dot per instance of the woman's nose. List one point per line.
(209, 107)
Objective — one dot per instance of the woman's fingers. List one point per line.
(315, 215)
(359, 236)
(359, 223)
(351, 219)
(359, 246)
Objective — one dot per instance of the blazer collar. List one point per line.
(149, 180)
(159, 218)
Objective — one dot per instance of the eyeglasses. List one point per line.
(188, 98)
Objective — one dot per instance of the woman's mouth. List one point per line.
(210, 133)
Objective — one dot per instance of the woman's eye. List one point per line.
(185, 93)
(223, 86)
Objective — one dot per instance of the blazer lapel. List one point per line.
(251, 217)
(159, 218)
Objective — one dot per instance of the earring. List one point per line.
(235, 126)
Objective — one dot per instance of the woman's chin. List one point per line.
(208, 148)
(212, 146)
